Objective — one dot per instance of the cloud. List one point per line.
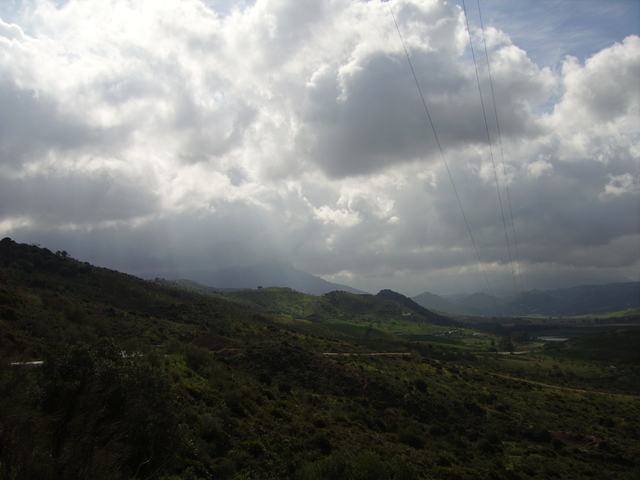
(165, 138)
(68, 200)
(365, 113)
(605, 89)
(620, 185)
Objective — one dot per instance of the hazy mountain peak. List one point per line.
(271, 274)
(480, 300)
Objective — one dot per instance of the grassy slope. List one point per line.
(252, 397)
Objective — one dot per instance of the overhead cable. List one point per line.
(446, 164)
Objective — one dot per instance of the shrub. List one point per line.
(75, 314)
(65, 271)
(438, 430)
(253, 447)
(8, 313)
(224, 468)
(493, 438)
(284, 387)
(120, 411)
(420, 385)
(412, 437)
(362, 466)
(196, 357)
(264, 379)
(485, 447)
(322, 443)
(557, 444)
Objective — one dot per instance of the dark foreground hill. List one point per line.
(147, 380)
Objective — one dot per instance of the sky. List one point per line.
(170, 138)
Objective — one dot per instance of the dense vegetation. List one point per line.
(143, 379)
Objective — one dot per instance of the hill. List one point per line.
(418, 309)
(435, 302)
(360, 308)
(142, 379)
(271, 274)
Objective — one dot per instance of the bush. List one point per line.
(224, 468)
(506, 345)
(8, 313)
(196, 357)
(362, 466)
(412, 437)
(322, 443)
(284, 387)
(264, 379)
(493, 438)
(253, 447)
(120, 410)
(485, 447)
(75, 314)
(438, 430)
(420, 385)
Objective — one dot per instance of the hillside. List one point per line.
(142, 379)
(412, 306)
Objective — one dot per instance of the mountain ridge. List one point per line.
(579, 300)
(270, 274)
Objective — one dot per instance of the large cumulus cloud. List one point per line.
(168, 138)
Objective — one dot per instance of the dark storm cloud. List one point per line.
(33, 124)
(370, 116)
(171, 246)
(556, 214)
(52, 199)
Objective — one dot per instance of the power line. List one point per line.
(446, 164)
(504, 166)
(495, 171)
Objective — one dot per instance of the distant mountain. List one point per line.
(581, 300)
(272, 274)
(435, 302)
(480, 301)
(538, 303)
(584, 299)
(198, 287)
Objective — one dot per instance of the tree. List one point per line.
(520, 337)
(110, 417)
(506, 345)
